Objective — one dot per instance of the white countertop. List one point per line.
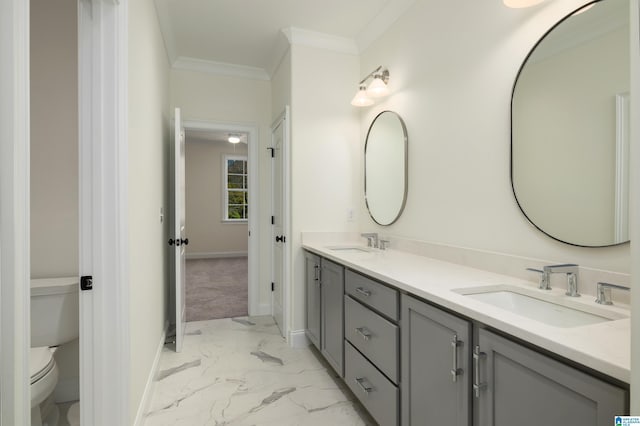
(604, 347)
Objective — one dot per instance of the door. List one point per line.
(312, 284)
(178, 240)
(278, 134)
(332, 314)
(436, 359)
(517, 385)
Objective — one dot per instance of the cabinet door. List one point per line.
(436, 361)
(332, 317)
(521, 386)
(312, 284)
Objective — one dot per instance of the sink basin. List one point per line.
(353, 249)
(548, 309)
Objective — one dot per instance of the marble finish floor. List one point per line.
(240, 371)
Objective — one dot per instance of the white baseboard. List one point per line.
(216, 255)
(148, 389)
(264, 309)
(298, 339)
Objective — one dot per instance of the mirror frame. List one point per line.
(406, 167)
(515, 83)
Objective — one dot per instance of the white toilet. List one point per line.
(54, 321)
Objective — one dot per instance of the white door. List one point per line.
(278, 241)
(178, 239)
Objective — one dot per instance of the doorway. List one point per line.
(221, 192)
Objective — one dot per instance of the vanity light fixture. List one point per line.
(376, 89)
(233, 138)
(519, 4)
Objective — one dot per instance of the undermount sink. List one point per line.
(353, 249)
(548, 309)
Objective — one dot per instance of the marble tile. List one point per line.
(241, 372)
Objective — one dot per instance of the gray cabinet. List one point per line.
(436, 366)
(378, 395)
(332, 314)
(372, 346)
(517, 385)
(312, 284)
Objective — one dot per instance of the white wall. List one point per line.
(451, 78)
(225, 99)
(149, 122)
(54, 138)
(208, 233)
(326, 155)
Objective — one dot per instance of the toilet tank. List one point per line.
(54, 311)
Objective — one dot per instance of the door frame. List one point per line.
(104, 211)
(254, 200)
(15, 337)
(283, 118)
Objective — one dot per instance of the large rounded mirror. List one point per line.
(385, 168)
(570, 128)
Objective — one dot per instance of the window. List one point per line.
(236, 195)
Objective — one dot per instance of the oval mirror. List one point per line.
(570, 128)
(385, 168)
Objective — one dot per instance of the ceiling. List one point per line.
(254, 34)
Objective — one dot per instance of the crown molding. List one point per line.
(302, 37)
(220, 68)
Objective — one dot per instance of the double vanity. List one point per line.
(420, 341)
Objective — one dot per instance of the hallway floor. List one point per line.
(240, 371)
(216, 288)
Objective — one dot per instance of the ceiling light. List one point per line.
(518, 4)
(377, 88)
(233, 138)
(361, 98)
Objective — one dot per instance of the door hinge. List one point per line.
(86, 282)
(273, 220)
(273, 286)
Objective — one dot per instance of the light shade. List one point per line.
(518, 4)
(377, 88)
(361, 98)
(234, 138)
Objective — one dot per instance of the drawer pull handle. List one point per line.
(366, 388)
(477, 386)
(316, 272)
(364, 292)
(366, 335)
(455, 371)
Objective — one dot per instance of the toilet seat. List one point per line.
(40, 363)
(43, 372)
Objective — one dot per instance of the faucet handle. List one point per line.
(384, 244)
(603, 291)
(543, 283)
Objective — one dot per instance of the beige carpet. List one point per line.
(216, 288)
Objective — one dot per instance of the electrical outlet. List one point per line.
(349, 215)
(161, 215)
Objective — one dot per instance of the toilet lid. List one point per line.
(40, 363)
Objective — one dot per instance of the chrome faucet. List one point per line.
(372, 239)
(603, 291)
(571, 269)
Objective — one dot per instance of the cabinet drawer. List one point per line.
(376, 392)
(373, 293)
(374, 336)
